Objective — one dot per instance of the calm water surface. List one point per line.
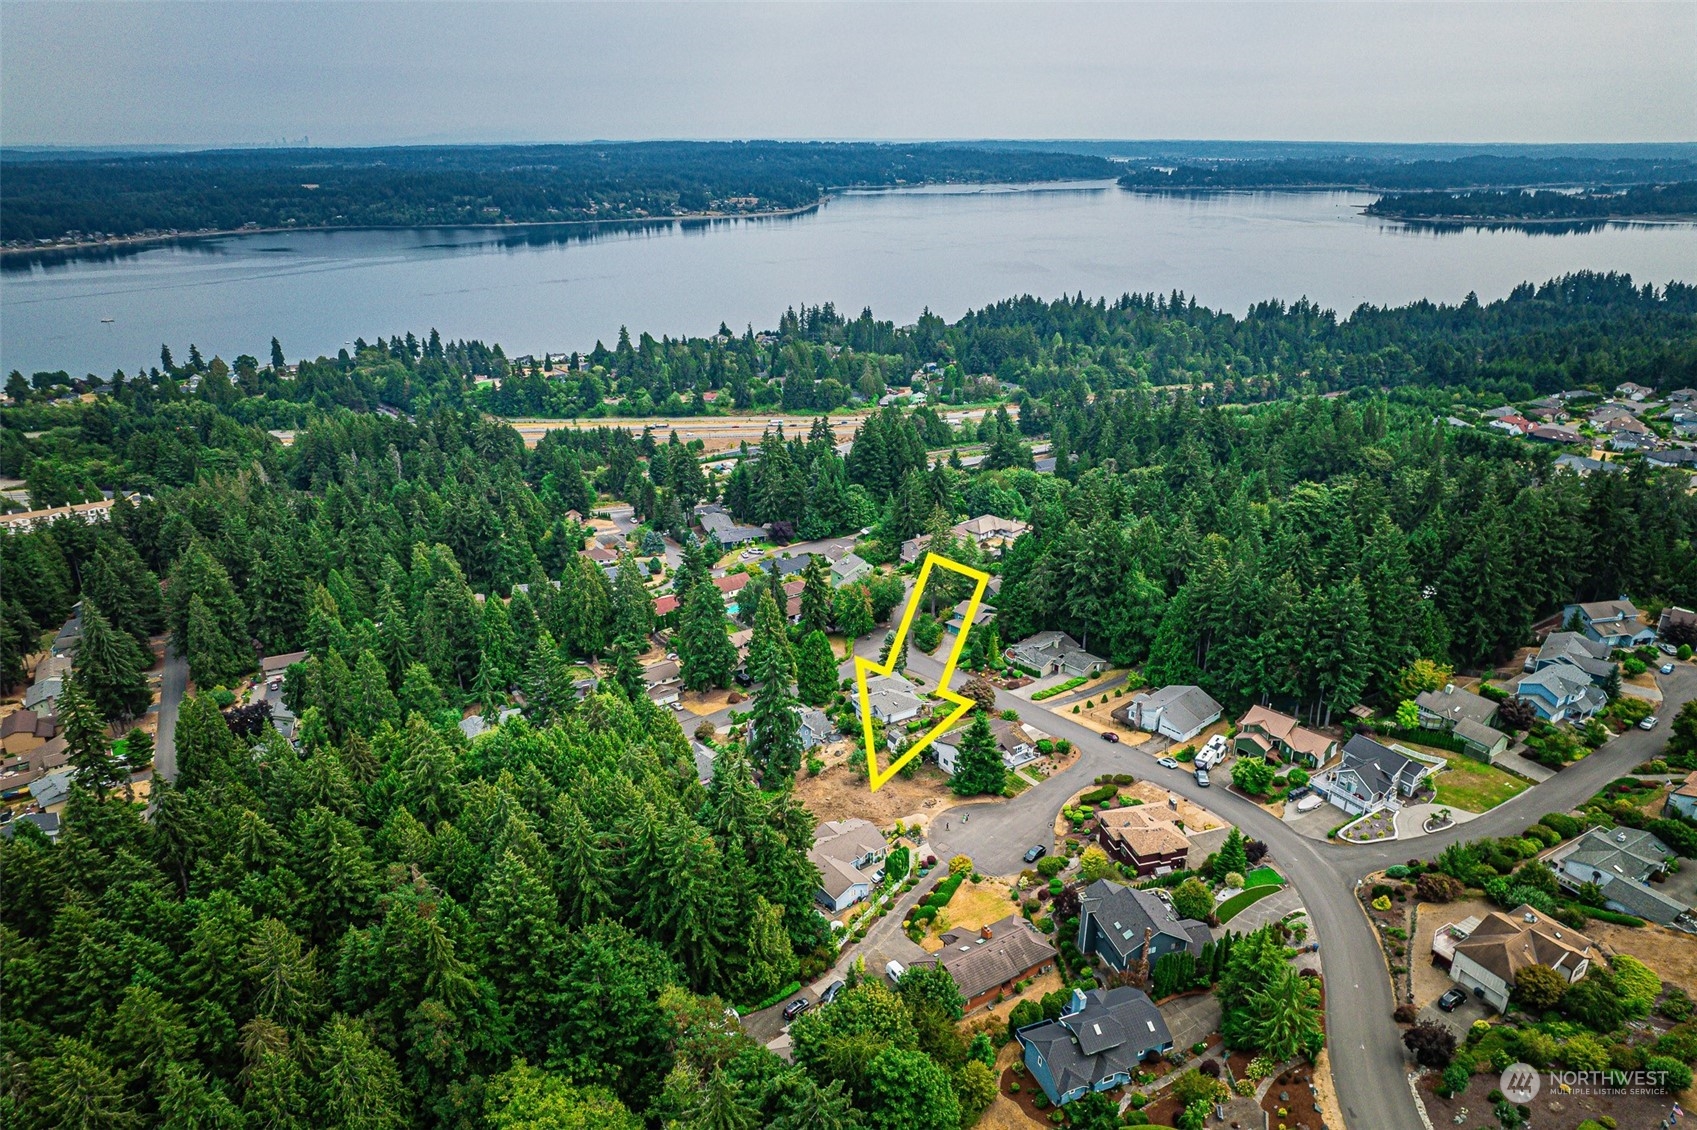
(950, 249)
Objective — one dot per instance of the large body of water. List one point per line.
(949, 249)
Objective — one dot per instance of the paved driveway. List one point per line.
(1191, 1019)
(1258, 914)
(1461, 1019)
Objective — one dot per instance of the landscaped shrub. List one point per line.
(1383, 902)
(1098, 795)
(1547, 836)
(1051, 865)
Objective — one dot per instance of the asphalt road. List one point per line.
(1369, 1066)
(173, 682)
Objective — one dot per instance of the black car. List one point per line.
(1110, 736)
(744, 679)
(1452, 1000)
(796, 1007)
(1038, 851)
(831, 991)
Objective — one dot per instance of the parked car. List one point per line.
(1167, 763)
(1669, 649)
(743, 679)
(1110, 736)
(1037, 851)
(796, 1007)
(1667, 668)
(1202, 776)
(1452, 1000)
(1649, 723)
(831, 991)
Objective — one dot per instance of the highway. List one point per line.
(1369, 1065)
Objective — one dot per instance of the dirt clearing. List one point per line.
(1671, 955)
(839, 794)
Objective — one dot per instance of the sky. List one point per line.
(396, 73)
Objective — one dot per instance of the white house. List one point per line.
(1683, 800)
(1371, 776)
(892, 699)
(1486, 956)
(1179, 712)
(845, 852)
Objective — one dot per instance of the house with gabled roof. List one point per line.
(892, 699)
(846, 853)
(1614, 622)
(1263, 730)
(1676, 619)
(1487, 955)
(1561, 692)
(1054, 653)
(1178, 712)
(1466, 715)
(1096, 1044)
(1372, 776)
(848, 569)
(980, 619)
(1123, 924)
(1683, 800)
(1624, 863)
(1589, 655)
(989, 963)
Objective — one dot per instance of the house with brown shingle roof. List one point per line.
(24, 730)
(1488, 957)
(989, 964)
(1262, 731)
(1683, 800)
(1142, 837)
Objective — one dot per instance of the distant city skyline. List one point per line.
(375, 74)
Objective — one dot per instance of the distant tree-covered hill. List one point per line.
(1375, 173)
(46, 198)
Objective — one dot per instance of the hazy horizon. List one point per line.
(148, 74)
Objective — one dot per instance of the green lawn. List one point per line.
(1228, 910)
(1260, 877)
(1472, 785)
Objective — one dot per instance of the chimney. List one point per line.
(986, 933)
(1148, 936)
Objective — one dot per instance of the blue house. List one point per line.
(1613, 622)
(1097, 1043)
(1119, 923)
(1561, 692)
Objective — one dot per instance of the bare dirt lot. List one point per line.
(1431, 982)
(838, 794)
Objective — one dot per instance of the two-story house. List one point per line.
(846, 852)
(1372, 776)
(1143, 837)
(1262, 731)
(1096, 1044)
(1589, 655)
(1123, 924)
(1614, 622)
(1561, 692)
(1466, 715)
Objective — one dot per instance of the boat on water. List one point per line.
(108, 319)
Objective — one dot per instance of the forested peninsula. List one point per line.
(1665, 202)
(1381, 174)
(72, 199)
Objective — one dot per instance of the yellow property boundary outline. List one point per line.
(863, 667)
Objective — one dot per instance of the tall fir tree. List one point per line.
(706, 656)
(816, 669)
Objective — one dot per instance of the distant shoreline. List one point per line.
(173, 237)
(1670, 218)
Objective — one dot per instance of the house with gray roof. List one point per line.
(1561, 692)
(42, 694)
(1583, 465)
(48, 822)
(891, 698)
(1123, 924)
(722, 528)
(1096, 1045)
(1681, 457)
(1179, 712)
(1614, 622)
(1466, 715)
(1054, 653)
(1624, 862)
(1371, 776)
(846, 853)
(1589, 655)
(848, 569)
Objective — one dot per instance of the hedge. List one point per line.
(1227, 910)
(1602, 915)
(787, 990)
(1097, 796)
(1059, 688)
(945, 891)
